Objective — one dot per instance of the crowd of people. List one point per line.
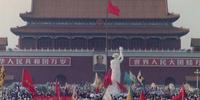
(85, 91)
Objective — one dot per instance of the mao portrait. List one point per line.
(100, 63)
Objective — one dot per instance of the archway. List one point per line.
(62, 43)
(45, 43)
(137, 43)
(119, 42)
(153, 43)
(79, 43)
(28, 43)
(98, 43)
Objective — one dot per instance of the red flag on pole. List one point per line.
(27, 82)
(181, 95)
(107, 79)
(113, 9)
(142, 96)
(121, 87)
(177, 97)
(57, 89)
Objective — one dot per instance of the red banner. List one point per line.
(27, 81)
(52, 98)
(35, 61)
(163, 62)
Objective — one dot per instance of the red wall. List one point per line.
(82, 71)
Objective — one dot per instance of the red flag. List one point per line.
(121, 87)
(27, 82)
(57, 89)
(97, 90)
(113, 9)
(180, 96)
(182, 93)
(177, 97)
(107, 79)
(142, 96)
(52, 98)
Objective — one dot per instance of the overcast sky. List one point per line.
(188, 9)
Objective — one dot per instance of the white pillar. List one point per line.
(197, 73)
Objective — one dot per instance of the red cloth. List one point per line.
(177, 97)
(142, 96)
(52, 98)
(107, 79)
(182, 93)
(57, 90)
(121, 87)
(113, 9)
(97, 90)
(180, 96)
(27, 82)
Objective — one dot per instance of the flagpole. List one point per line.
(106, 20)
(22, 74)
(113, 10)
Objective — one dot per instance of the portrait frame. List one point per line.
(99, 62)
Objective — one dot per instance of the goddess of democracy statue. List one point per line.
(113, 90)
(115, 65)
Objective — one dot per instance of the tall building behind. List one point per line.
(78, 24)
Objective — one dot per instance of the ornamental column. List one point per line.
(36, 42)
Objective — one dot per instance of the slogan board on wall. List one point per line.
(35, 61)
(164, 62)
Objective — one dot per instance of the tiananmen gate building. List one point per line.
(62, 39)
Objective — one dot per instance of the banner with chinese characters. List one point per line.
(35, 61)
(164, 62)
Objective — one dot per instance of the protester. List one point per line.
(85, 91)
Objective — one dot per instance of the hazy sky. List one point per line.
(188, 9)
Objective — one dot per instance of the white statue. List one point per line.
(115, 75)
(115, 65)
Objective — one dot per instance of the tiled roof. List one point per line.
(137, 30)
